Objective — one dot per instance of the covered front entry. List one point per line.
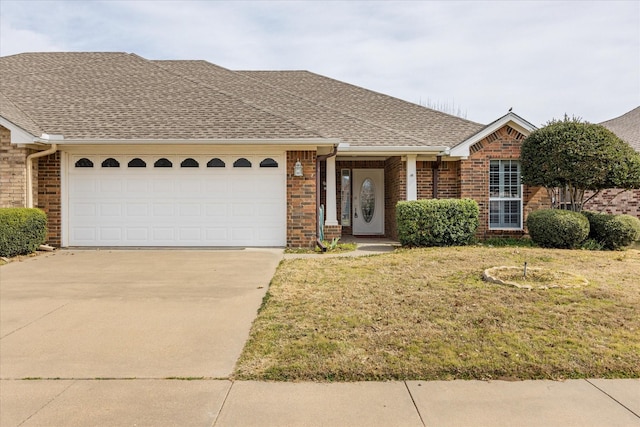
(176, 200)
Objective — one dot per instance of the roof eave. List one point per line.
(316, 142)
(362, 150)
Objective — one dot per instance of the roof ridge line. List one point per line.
(242, 100)
(36, 124)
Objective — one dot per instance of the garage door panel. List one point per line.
(137, 209)
(164, 235)
(111, 234)
(111, 209)
(218, 235)
(163, 210)
(137, 186)
(112, 185)
(242, 210)
(190, 210)
(84, 210)
(87, 185)
(217, 185)
(84, 234)
(269, 209)
(190, 234)
(177, 206)
(136, 234)
(216, 210)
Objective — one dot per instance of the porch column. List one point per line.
(412, 178)
(331, 212)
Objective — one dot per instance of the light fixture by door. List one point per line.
(297, 168)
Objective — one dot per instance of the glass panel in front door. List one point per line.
(367, 200)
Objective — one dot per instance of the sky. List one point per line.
(475, 59)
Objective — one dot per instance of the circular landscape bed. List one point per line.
(536, 278)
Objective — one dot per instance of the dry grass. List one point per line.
(426, 314)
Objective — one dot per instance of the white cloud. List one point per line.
(542, 58)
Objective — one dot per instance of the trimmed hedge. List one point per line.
(613, 231)
(554, 228)
(437, 222)
(22, 230)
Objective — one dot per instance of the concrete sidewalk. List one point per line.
(149, 402)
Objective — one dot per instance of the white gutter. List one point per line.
(30, 157)
(245, 141)
(393, 150)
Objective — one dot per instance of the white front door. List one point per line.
(368, 201)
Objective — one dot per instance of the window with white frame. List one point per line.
(505, 195)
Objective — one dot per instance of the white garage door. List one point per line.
(142, 200)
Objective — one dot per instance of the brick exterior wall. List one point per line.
(395, 189)
(615, 201)
(332, 231)
(301, 200)
(448, 180)
(49, 198)
(13, 173)
(504, 144)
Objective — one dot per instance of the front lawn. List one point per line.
(427, 314)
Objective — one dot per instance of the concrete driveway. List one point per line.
(86, 315)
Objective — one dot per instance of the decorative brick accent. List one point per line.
(301, 200)
(504, 144)
(615, 201)
(49, 198)
(13, 173)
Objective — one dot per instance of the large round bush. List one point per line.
(553, 228)
(22, 230)
(613, 231)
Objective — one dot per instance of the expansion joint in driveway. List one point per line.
(614, 399)
(414, 403)
(34, 321)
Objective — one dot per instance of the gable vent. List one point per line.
(476, 147)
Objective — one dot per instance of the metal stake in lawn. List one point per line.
(525, 269)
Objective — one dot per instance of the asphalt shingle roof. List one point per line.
(626, 127)
(124, 96)
(429, 126)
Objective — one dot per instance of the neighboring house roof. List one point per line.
(120, 96)
(626, 127)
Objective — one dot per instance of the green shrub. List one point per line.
(613, 231)
(501, 242)
(22, 230)
(553, 228)
(437, 222)
(591, 245)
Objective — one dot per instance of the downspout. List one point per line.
(319, 159)
(30, 157)
(435, 167)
